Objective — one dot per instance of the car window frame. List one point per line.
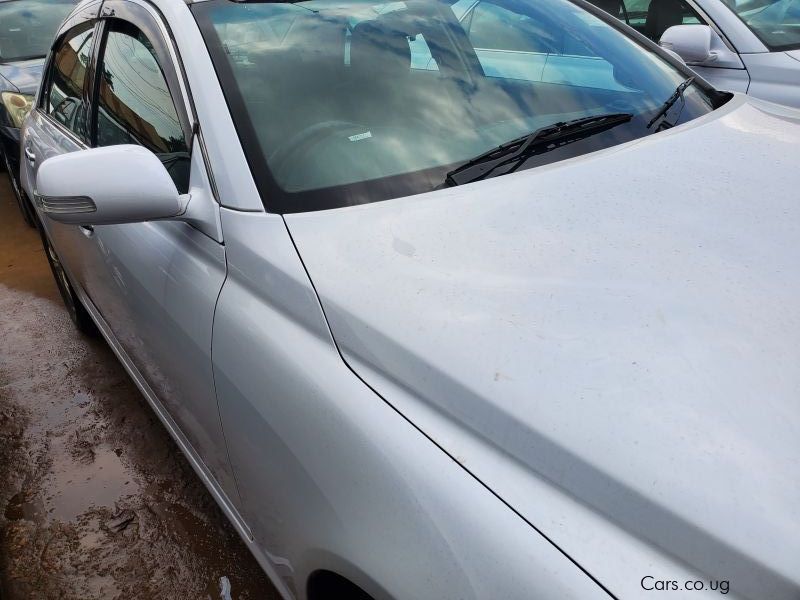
(153, 26)
(43, 95)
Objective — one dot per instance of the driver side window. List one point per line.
(134, 103)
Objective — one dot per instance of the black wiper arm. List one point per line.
(678, 93)
(563, 132)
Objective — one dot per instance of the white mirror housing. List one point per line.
(701, 46)
(691, 42)
(103, 186)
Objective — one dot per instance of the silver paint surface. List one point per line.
(624, 325)
(590, 364)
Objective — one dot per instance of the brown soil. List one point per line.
(96, 501)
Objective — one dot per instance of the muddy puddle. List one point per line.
(96, 501)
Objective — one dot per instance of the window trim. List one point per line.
(150, 23)
(92, 89)
(43, 96)
(87, 14)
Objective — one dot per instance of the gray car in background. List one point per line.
(26, 32)
(749, 46)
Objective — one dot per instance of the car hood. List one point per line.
(24, 76)
(623, 327)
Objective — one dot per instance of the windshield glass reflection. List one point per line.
(345, 102)
(776, 22)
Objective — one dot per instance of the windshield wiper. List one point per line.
(550, 137)
(678, 93)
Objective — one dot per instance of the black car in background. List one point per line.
(27, 28)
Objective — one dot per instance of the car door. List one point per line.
(60, 124)
(775, 76)
(156, 283)
(766, 34)
(653, 17)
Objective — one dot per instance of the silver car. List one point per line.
(749, 46)
(441, 301)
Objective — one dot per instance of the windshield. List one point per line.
(27, 27)
(775, 22)
(342, 102)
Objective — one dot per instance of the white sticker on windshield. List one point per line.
(360, 136)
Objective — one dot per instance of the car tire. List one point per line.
(77, 311)
(19, 195)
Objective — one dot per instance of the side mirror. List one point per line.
(691, 42)
(674, 55)
(701, 46)
(103, 186)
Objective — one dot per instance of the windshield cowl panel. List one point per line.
(342, 102)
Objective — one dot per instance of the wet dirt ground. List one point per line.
(96, 501)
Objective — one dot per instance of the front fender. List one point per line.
(332, 477)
